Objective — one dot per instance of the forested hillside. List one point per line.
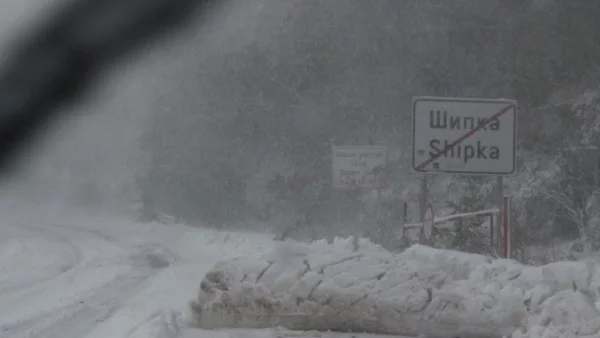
(244, 130)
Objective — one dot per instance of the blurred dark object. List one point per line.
(56, 62)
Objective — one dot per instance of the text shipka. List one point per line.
(465, 152)
(441, 120)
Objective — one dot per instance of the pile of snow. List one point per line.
(437, 293)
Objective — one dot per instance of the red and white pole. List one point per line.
(403, 217)
(492, 216)
(506, 205)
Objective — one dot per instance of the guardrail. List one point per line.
(437, 220)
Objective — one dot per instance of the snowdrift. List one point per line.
(438, 293)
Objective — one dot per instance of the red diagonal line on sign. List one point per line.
(464, 137)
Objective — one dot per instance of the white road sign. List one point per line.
(428, 222)
(466, 136)
(359, 167)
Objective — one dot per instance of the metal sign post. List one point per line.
(359, 168)
(499, 200)
(424, 195)
(466, 136)
(492, 216)
(428, 220)
(506, 226)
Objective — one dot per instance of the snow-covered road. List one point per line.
(66, 275)
(72, 276)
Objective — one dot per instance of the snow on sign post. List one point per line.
(464, 136)
(359, 167)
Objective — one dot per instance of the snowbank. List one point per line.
(438, 293)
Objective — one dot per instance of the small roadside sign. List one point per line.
(464, 136)
(428, 222)
(359, 167)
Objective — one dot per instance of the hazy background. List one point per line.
(201, 126)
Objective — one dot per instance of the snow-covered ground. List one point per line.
(67, 275)
(422, 291)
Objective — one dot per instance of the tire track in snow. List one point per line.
(84, 314)
(159, 324)
(25, 287)
(81, 314)
(79, 317)
(146, 248)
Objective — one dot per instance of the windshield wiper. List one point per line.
(54, 64)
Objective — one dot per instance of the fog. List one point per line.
(230, 123)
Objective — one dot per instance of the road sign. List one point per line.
(464, 136)
(359, 167)
(428, 222)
